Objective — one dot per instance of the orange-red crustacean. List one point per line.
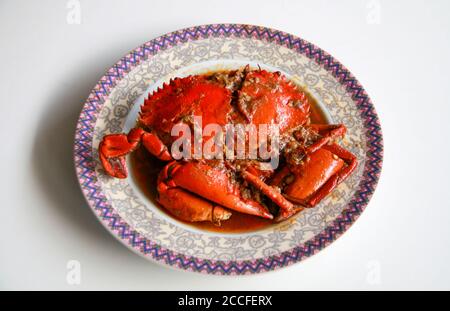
(311, 166)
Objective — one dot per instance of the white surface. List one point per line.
(49, 66)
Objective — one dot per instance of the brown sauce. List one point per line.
(145, 169)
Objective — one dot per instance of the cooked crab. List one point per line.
(312, 164)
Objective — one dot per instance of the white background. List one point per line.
(48, 67)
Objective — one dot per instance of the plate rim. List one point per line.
(85, 165)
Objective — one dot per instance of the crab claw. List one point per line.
(188, 206)
(323, 171)
(328, 133)
(212, 184)
(114, 147)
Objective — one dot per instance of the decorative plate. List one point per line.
(113, 105)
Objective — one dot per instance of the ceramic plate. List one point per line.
(120, 205)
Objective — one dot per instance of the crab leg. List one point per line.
(328, 132)
(287, 209)
(114, 147)
(212, 184)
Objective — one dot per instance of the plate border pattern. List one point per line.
(85, 162)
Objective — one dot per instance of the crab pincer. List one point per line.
(206, 183)
(114, 147)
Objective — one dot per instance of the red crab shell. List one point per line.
(182, 97)
(268, 98)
